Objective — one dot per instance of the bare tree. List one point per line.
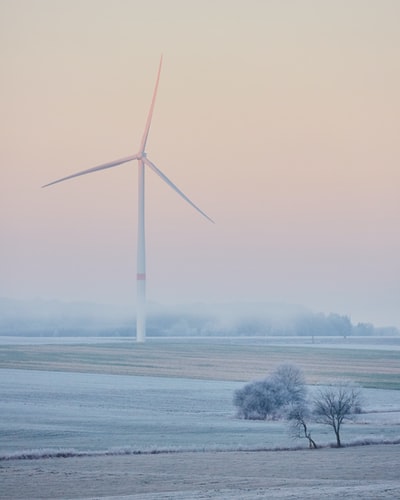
(298, 417)
(290, 383)
(334, 405)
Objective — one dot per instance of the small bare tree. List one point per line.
(298, 416)
(335, 404)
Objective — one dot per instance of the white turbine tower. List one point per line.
(143, 161)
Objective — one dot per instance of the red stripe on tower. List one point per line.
(141, 276)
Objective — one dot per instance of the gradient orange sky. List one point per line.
(280, 119)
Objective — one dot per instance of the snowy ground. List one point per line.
(380, 343)
(91, 414)
(98, 412)
(369, 472)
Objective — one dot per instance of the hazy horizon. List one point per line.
(279, 119)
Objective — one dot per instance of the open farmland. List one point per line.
(78, 397)
(366, 473)
(210, 360)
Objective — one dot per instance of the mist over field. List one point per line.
(55, 318)
(95, 418)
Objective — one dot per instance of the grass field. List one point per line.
(361, 472)
(214, 360)
(349, 473)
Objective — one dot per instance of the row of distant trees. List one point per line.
(284, 395)
(307, 325)
(62, 319)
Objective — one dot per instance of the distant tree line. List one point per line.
(307, 325)
(46, 318)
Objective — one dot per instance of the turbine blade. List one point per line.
(94, 169)
(175, 188)
(150, 115)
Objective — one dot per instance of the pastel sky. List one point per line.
(279, 118)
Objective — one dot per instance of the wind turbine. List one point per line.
(141, 158)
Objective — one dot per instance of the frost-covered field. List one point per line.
(43, 410)
(100, 421)
(235, 359)
(380, 343)
(367, 473)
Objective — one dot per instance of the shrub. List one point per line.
(267, 398)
